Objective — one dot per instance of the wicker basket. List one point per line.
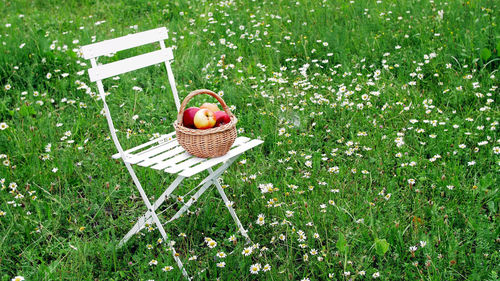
(213, 142)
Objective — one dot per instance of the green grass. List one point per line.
(379, 121)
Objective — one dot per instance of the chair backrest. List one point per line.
(99, 72)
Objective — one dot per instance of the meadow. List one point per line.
(379, 120)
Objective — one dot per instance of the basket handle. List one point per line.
(199, 92)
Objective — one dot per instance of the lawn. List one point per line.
(379, 120)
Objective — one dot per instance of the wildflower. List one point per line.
(7, 87)
(153, 262)
(221, 264)
(167, 268)
(18, 278)
(265, 188)
(212, 244)
(482, 143)
(423, 243)
(376, 275)
(260, 219)
(247, 251)
(496, 149)
(232, 238)
(221, 255)
(266, 267)
(334, 170)
(54, 170)
(255, 268)
(3, 126)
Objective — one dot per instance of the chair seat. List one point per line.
(165, 153)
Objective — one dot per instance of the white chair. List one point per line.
(163, 153)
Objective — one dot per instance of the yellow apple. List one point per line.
(211, 106)
(204, 119)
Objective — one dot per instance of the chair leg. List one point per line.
(190, 202)
(206, 183)
(146, 218)
(230, 208)
(156, 220)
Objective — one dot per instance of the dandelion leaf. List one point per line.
(381, 246)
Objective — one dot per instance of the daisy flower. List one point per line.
(260, 219)
(266, 267)
(221, 255)
(247, 251)
(167, 268)
(212, 244)
(255, 268)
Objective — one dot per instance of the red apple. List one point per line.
(204, 119)
(221, 118)
(188, 117)
(212, 106)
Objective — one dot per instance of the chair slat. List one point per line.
(176, 161)
(214, 161)
(172, 161)
(133, 149)
(104, 71)
(173, 169)
(124, 42)
(152, 152)
(159, 158)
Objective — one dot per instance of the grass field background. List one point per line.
(379, 119)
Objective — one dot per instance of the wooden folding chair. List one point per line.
(163, 153)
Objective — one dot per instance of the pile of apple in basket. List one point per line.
(205, 131)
